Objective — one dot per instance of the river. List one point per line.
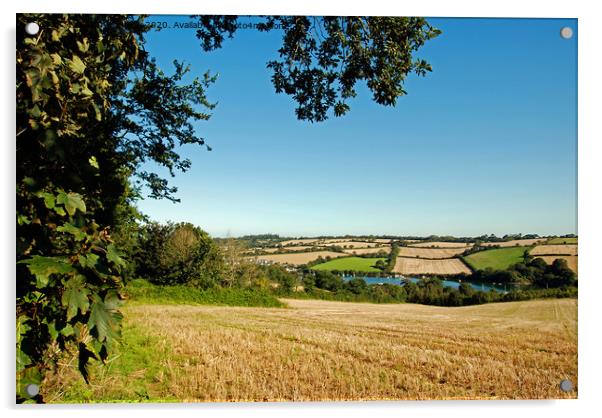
(486, 287)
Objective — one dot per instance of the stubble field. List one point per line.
(421, 266)
(319, 350)
(298, 258)
(430, 252)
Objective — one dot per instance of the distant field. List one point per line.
(497, 258)
(440, 244)
(563, 241)
(350, 263)
(514, 243)
(319, 351)
(429, 252)
(356, 244)
(298, 258)
(571, 260)
(421, 266)
(556, 249)
(372, 250)
(298, 241)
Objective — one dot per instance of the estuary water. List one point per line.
(485, 287)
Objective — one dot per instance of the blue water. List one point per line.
(485, 287)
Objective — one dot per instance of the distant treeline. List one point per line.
(429, 291)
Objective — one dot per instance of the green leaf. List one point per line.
(77, 233)
(76, 65)
(49, 199)
(71, 201)
(93, 162)
(104, 319)
(42, 267)
(89, 260)
(114, 256)
(75, 296)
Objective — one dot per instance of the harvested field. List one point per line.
(318, 350)
(571, 260)
(357, 244)
(372, 250)
(515, 243)
(554, 250)
(441, 244)
(298, 258)
(433, 253)
(421, 266)
(298, 242)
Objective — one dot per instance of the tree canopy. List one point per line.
(93, 108)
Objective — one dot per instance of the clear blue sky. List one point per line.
(486, 143)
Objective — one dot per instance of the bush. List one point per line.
(178, 254)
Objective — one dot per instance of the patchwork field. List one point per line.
(356, 244)
(496, 258)
(562, 241)
(429, 252)
(440, 244)
(299, 241)
(421, 266)
(514, 243)
(298, 258)
(556, 249)
(319, 350)
(571, 260)
(350, 263)
(372, 250)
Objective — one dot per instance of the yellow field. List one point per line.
(298, 258)
(430, 252)
(441, 244)
(357, 244)
(372, 250)
(321, 350)
(515, 243)
(554, 249)
(572, 260)
(421, 266)
(299, 241)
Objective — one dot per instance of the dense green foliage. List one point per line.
(142, 291)
(178, 254)
(429, 291)
(358, 264)
(497, 258)
(323, 58)
(531, 272)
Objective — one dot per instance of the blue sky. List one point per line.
(486, 143)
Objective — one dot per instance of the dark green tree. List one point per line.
(94, 109)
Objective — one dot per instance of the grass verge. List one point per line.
(141, 291)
